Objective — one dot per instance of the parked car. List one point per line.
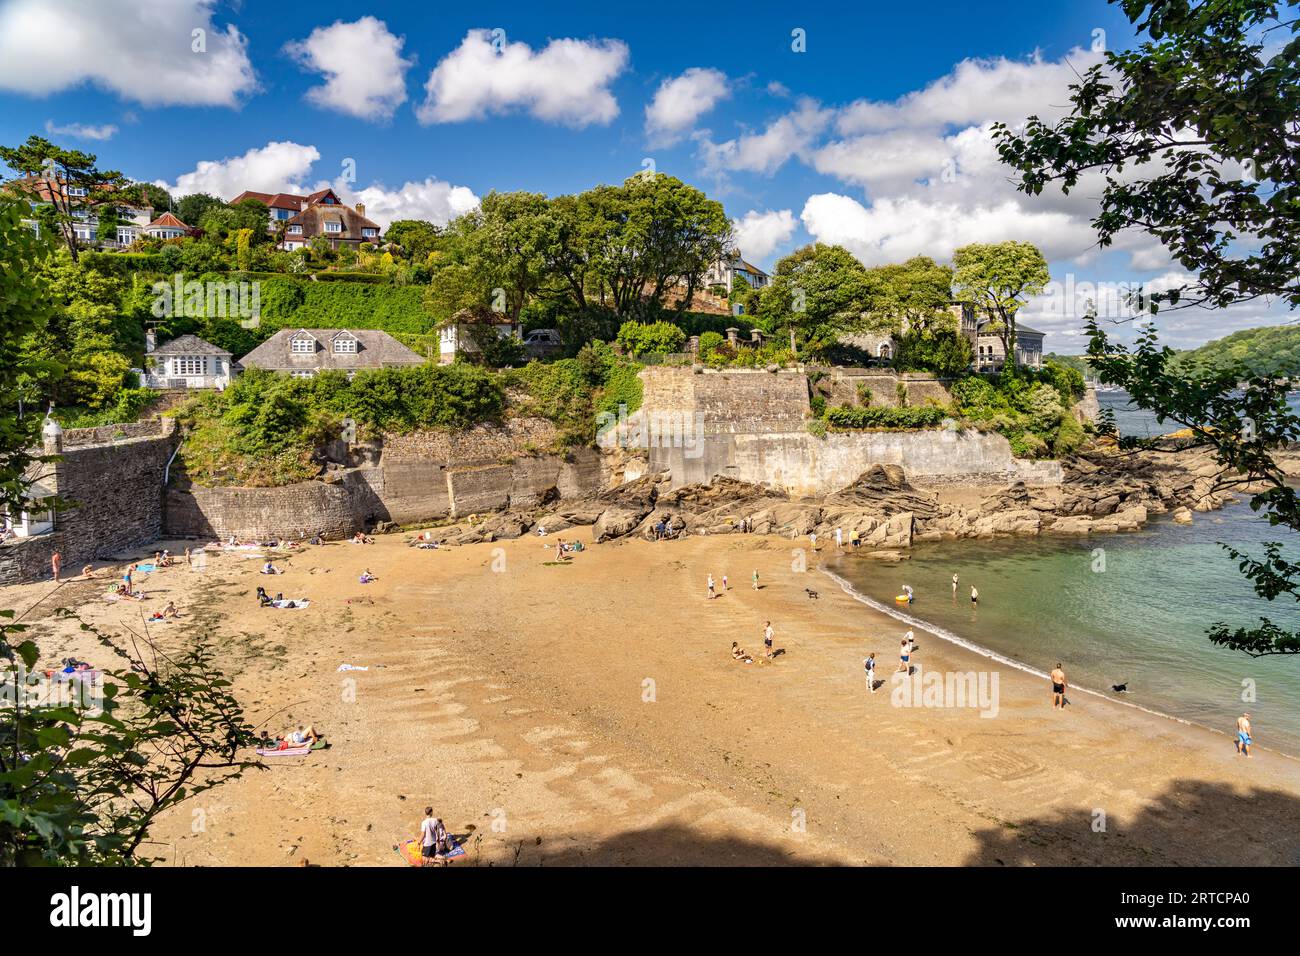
(543, 343)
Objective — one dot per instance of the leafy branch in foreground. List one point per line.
(86, 768)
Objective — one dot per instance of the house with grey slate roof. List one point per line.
(305, 352)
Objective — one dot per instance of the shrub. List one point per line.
(651, 338)
(852, 417)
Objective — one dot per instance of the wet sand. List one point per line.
(591, 713)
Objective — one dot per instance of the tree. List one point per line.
(998, 278)
(1165, 134)
(914, 294)
(818, 293)
(416, 237)
(159, 199)
(68, 181)
(192, 208)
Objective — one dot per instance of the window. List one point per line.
(189, 365)
(76, 190)
(345, 344)
(295, 230)
(279, 214)
(302, 345)
(333, 226)
(302, 373)
(369, 233)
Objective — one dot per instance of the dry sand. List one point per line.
(591, 713)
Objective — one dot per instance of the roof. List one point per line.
(169, 221)
(1019, 329)
(188, 345)
(375, 349)
(744, 266)
(272, 200)
(312, 222)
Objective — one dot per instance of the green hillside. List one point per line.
(1272, 350)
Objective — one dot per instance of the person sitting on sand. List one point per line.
(88, 571)
(270, 568)
(170, 610)
(166, 560)
(366, 576)
(263, 599)
(361, 538)
(157, 559)
(738, 653)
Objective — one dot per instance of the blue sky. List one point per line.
(874, 135)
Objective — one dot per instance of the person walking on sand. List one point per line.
(870, 665)
(712, 593)
(1243, 735)
(724, 584)
(754, 580)
(813, 538)
(911, 643)
(1058, 686)
(767, 639)
(56, 563)
(904, 659)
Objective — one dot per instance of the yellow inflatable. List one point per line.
(902, 599)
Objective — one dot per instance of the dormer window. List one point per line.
(303, 345)
(369, 233)
(295, 230)
(332, 225)
(345, 344)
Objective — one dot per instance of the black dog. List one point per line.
(1119, 688)
(812, 595)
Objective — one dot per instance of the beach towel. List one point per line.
(409, 850)
(352, 667)
(146, 568)
(293, 605)
(287, 752)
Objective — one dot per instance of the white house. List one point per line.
(725, 271)
(461, 337)
(38, 520)
(187, 361)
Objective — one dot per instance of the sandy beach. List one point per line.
(591, 713)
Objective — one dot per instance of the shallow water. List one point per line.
(1129, 608)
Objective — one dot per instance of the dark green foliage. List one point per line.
(883, 416)
(943, 353)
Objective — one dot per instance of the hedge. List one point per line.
(288, 302)
(929, 416)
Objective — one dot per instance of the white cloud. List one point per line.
(766, 152)
(286, 167)
(759, 234)
(143, 50)
(567, 81)
(891, 230)
(273, 168)
(680, 101)
(432, 199)
(365, 74)
(81, 130)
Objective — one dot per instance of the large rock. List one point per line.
(1070, 524)
(1182, 515)
(1017, 522)
(616, 521)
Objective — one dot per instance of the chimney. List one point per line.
(302, 205)
(361, 209)
(150, 340)
(52, 434)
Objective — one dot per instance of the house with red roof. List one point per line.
(321, 213)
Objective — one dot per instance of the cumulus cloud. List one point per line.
(287, 167)
(273, 168)
(155, 52)
(891, 230)
(765, 152)
(566, 82)
(81, 130)
(365, 74)
(680, 101)
(436, 200)
(759, 234)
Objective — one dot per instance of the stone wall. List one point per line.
(729, 401)
(113, 494)
(406, 490)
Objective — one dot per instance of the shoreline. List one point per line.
(968, 645)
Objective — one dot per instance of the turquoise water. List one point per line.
(1141, 620)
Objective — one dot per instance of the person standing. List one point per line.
(1059, 685)
(712, 595)
(974, 595)
(754, 580)
(1243, 735)
(767, 639)
(870, 665)
(904, 659)
(839, 537)
(724, 584)
(813, 537)
(954, 585)
(56, 563)
(431, 835)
